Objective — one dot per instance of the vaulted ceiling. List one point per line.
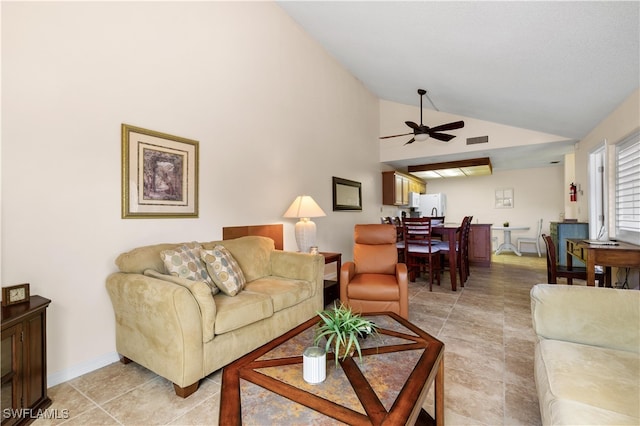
(552, 67)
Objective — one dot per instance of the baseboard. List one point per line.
(79, 370)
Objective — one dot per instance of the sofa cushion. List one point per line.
(224, 270)
(185, 262)
(252, 253)
(283, 292)
(583, 384)
(245, 308)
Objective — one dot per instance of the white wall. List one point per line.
(274, 114)
(537, 194)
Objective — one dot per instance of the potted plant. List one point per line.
(341, 328)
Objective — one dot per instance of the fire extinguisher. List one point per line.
(572, 192)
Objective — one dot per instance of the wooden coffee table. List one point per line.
(388, 387)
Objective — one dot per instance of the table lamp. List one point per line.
(304, 207)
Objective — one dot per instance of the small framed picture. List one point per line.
(159, 175)
(347, 194)
(504, 198)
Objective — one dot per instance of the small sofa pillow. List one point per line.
(224, 270)
(185, 262)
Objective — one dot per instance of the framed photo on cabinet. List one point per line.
(159, 175)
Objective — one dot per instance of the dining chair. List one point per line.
(532, 240)
(375, 281)
(462, 250)
(420, 251)
(555, 271)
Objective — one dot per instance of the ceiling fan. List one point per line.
(422, 132)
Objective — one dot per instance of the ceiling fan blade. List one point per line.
(448, 126)
(411, 141)
(394, 136)
(441, 136)
(411, 124)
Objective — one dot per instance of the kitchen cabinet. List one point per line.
(396, 187)
(24, 361)
(480, 244)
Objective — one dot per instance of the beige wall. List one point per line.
(274, 114)
(537, 194)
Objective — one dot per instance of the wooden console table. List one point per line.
(623, 255)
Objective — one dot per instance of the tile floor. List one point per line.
(486, 327)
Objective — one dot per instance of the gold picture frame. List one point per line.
(159, 175)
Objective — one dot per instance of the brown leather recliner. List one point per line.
(375, 281)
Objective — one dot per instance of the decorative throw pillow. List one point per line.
(185, 262)
(224, 270)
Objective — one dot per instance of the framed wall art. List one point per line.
(159, 175)
(347, 194)
(504, 198)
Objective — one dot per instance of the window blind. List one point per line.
(627, 201)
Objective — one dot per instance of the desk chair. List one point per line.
(532, 240)
(375, 281)
(554, 270)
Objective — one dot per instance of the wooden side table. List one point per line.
(24, 361)
(332, 287)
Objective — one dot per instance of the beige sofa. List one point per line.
(176, 328)
(587, 357)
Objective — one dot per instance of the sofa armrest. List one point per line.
(202, 293)
(158, 325)
(299, 266)
(594, 316)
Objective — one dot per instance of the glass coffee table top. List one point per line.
(387, 386)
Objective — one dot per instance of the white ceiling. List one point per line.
(553, 67)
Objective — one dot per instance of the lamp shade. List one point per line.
(304, 206)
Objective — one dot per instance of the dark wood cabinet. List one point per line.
(480, 244)
(24, 361)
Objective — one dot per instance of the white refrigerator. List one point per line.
(433, 204)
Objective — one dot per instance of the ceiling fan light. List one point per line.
(420, 137)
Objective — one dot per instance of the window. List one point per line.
(598, 196)
(627, 190)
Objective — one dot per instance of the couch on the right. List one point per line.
(587, 355)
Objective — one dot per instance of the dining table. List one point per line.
(507, 245)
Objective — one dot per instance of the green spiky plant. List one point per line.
(341, 328)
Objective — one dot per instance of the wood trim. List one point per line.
(273, 231)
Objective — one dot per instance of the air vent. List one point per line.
(479, 139)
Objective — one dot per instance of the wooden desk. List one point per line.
(624, 255)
